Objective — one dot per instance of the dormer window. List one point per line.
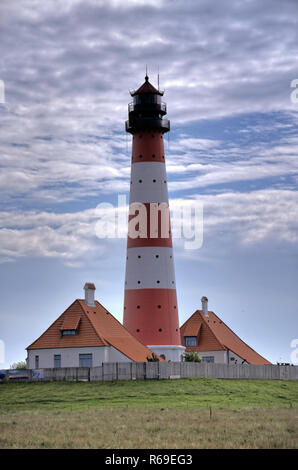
(190, 340)
(70, 326)
(68, 332)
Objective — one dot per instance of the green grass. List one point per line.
(260, 428)
(152, 414)
(177, 394)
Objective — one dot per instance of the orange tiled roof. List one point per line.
(71, 322)
(193, 327)
(214, 335)
(114, 333)
(96, 327)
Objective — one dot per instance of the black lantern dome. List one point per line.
(147, 110)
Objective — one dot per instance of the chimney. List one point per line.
(204, 301)
(89, 288)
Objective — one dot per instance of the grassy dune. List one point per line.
(150, 414)
(180, 393)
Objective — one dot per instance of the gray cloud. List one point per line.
(68, 66)
(239, 218)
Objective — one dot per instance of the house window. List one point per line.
(36, 362)
(208, 359)
(68, 332)
(190, 340)
(57, 360)
(85, 360)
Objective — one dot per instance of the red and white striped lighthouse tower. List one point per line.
(150, 303)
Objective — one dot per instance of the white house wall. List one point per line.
(237, 359)
(70, 356)
(222, 357)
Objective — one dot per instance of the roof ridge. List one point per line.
(52, 324)
(188, 319)
(97, 333)
(238, 338)
(209, 327)
(118, 321)
(122, 325)
(133, 337)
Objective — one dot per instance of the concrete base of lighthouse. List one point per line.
(171, 353)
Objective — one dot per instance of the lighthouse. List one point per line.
(150, 301)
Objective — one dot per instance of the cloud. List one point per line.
(243, 218)
(58, 170)
(68, 67)
(67, 236)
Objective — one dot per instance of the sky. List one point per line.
(227, 69)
